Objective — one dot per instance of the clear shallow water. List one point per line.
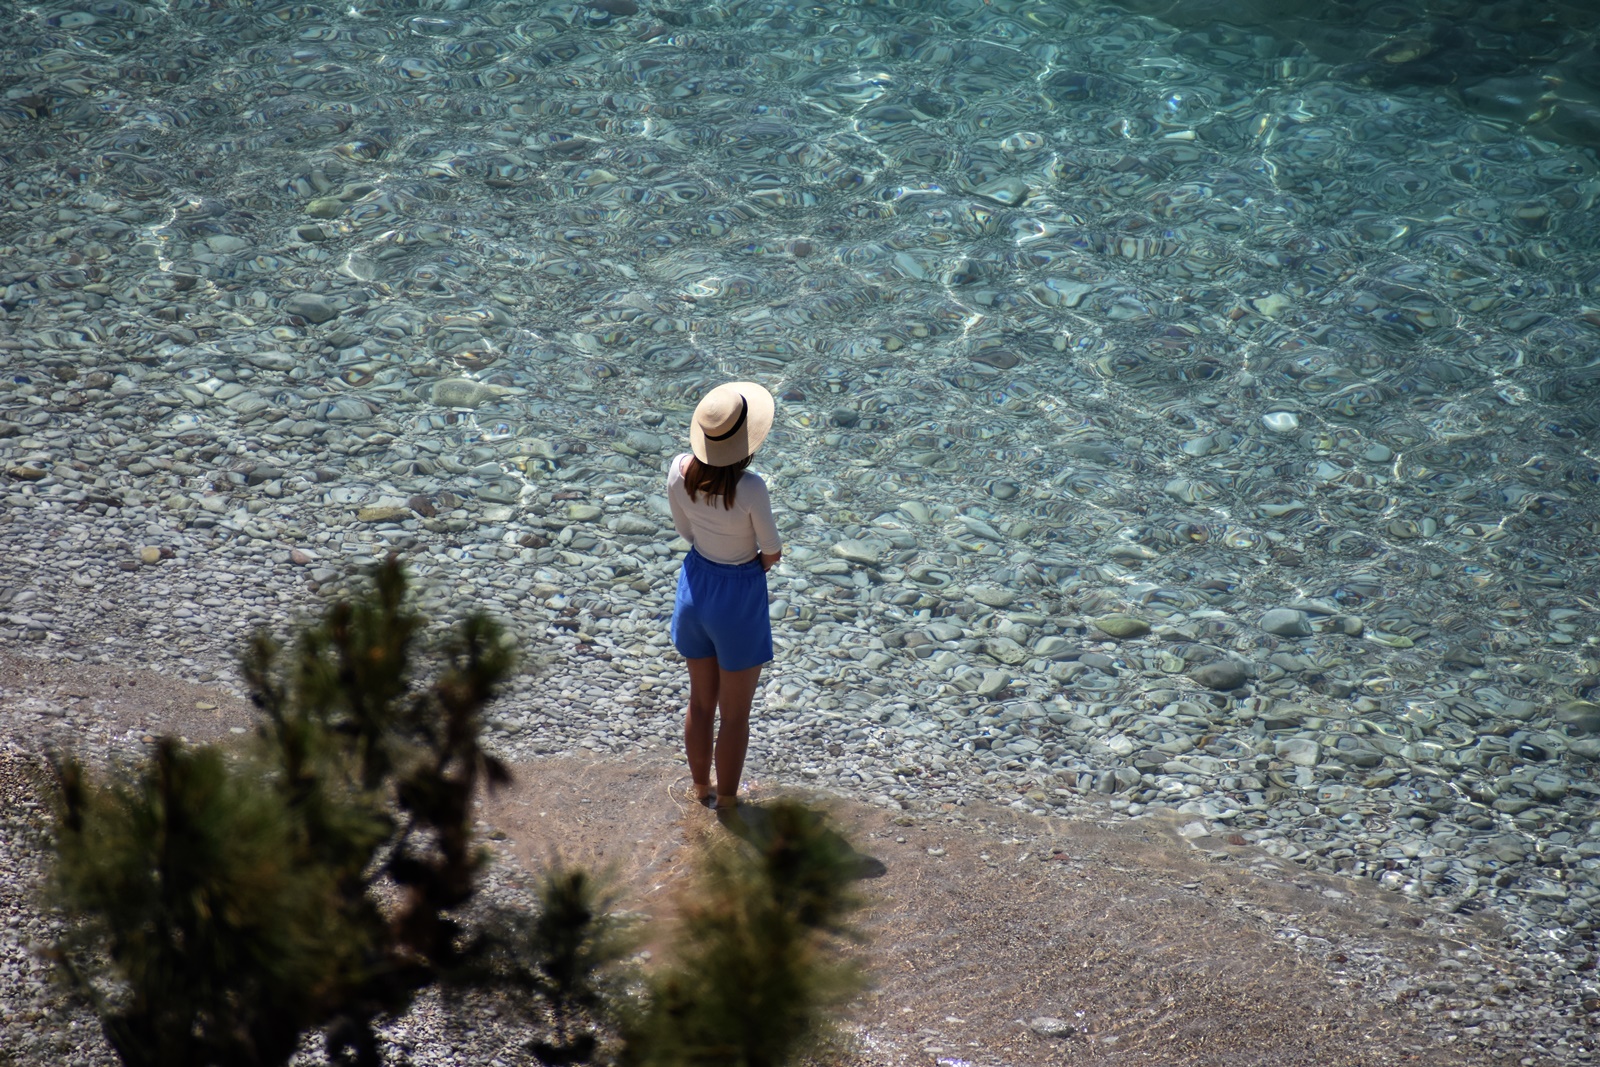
(1182, 322)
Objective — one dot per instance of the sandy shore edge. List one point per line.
(1146, 943)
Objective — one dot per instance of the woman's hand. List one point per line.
(770, 560)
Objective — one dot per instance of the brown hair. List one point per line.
(716, 481)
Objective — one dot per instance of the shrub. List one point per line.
(222, 905)
(756, 971)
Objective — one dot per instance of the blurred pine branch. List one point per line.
(757, 970)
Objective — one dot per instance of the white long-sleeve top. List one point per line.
(724, 535)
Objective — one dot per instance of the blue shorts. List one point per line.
(722, 611)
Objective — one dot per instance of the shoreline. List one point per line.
(890, 702)
(1446, 988)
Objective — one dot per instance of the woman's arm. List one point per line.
(754, 496)
(676, 495)
(680, 519)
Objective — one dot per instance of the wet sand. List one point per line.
(1144, 944)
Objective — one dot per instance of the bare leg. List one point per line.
(737, 691)
(704, 683)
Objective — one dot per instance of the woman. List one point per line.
(720, 621)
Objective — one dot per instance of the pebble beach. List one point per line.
(1172, 421)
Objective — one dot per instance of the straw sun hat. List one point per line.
(730, 423)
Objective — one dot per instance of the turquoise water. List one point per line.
(1169, 316)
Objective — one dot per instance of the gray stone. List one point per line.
(1209, 807)
(1359, 756)
(1545, 889)
(311, 307)
(1006, 651)
(1300, 751)
(1550, 786)
(1221, 674)
(500, 493)
(1053, 647)
(1587, 747)
(915, 510)
(866, 551)
(1049, 1026)
(226, 244)
(263, 474)
(1286, 716)
(1349, 625)
(979, 528)
(991, 595)
(1378, 454)
(1290, 662)
(272, 360)
(1579, 716)
(993, 683)
(1286, 622)
(1506, 848)
(1520, 710)
(649, 444)
(1122, 627)
(1314, 607)
(635, 526)
(466, 393)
